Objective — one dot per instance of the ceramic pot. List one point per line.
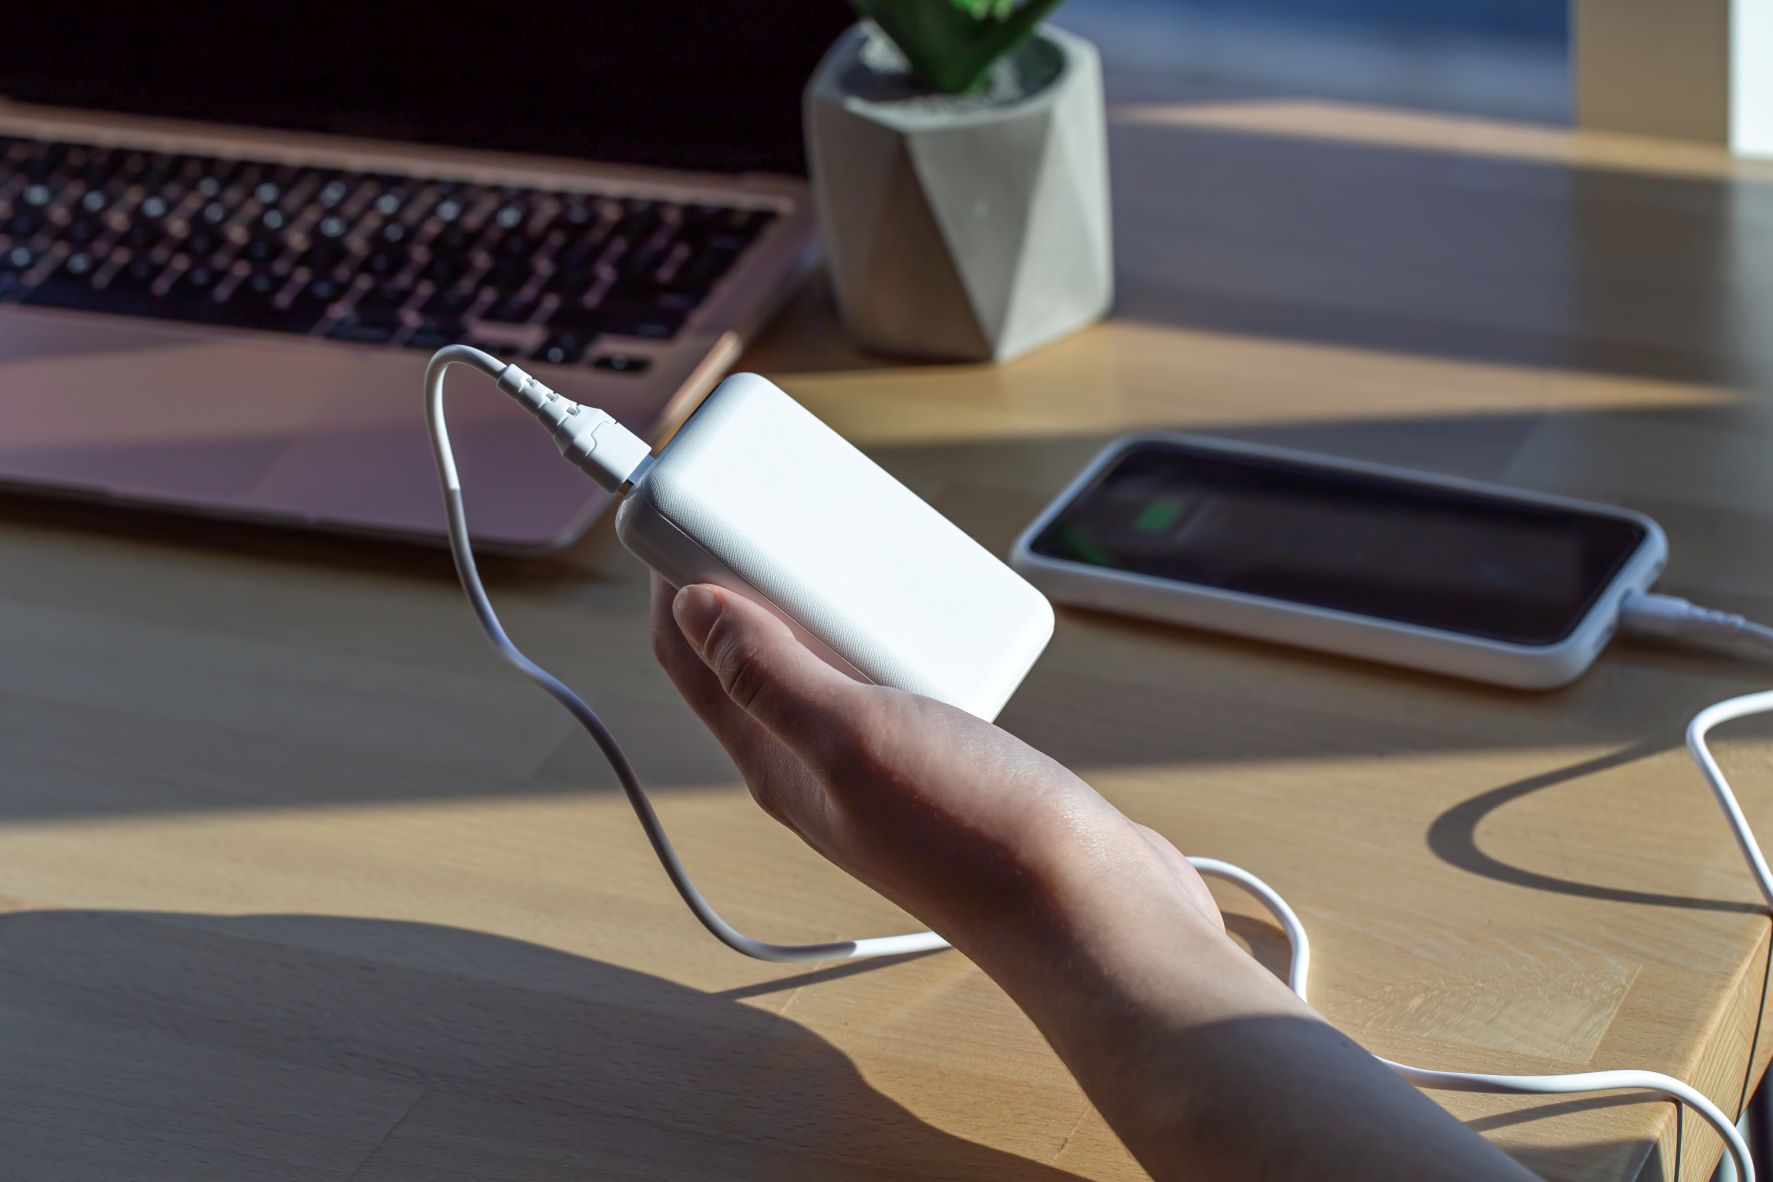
(962, 227)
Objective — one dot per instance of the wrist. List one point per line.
(1134, 986)
(1101, 909)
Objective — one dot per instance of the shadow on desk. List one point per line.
(182, 1046)
(173, 1046)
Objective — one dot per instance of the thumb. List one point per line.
(761, 665)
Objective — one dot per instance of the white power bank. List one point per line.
(756, 495)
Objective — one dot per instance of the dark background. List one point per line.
(708, 85)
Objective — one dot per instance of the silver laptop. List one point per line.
(231, 235)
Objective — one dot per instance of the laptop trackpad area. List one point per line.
(98, 404)
(298, 430)
(366, 461)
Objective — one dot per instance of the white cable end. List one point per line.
(608, 452)
(1645, 613)
(591, 439)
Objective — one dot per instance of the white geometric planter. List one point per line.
(962, 227)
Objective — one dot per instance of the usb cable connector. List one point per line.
(589, 438)
(1669, 617)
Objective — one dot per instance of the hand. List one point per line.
(1204, 1064)
(957, 821)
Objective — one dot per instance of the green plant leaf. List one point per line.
(952, 44)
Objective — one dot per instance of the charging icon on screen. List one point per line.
(1160, 514)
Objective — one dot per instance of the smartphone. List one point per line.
(1455, 577)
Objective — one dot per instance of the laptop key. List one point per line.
(513, 309)
(630, 297)
(324, 255)
(323, 289)
(622, 363)
(253, 305)
(383, 263)
(579, 319)
(445, 270)
(262, 248)
(201, 244)
(450, 305)
(21, 257)
(570, 286)
(375, 330)
(653, 326)
(381, 302)
(562, 348)
(508, 275)
(434, 336)
(196, 281)
(657, 327)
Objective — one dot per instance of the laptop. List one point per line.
(232, 234)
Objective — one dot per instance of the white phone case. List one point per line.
(1521, 666)
(755, 494)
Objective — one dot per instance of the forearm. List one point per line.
(1205, 1064)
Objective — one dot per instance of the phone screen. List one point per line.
(1463, 562)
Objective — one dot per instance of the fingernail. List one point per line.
(696, 608)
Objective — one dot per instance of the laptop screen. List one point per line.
(674, 83)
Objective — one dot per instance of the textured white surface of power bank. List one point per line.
(755, 494)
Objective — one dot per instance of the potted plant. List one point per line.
(959, 165)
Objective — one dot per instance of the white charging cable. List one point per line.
(1298, 973)
(1670, 617)
(614, 456)
(586, 439)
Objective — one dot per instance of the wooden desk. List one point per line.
(303, 884)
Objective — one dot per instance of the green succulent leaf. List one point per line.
(952, 44)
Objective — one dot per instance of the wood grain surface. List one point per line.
(301, 883)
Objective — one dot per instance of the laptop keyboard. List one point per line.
(371, 258)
